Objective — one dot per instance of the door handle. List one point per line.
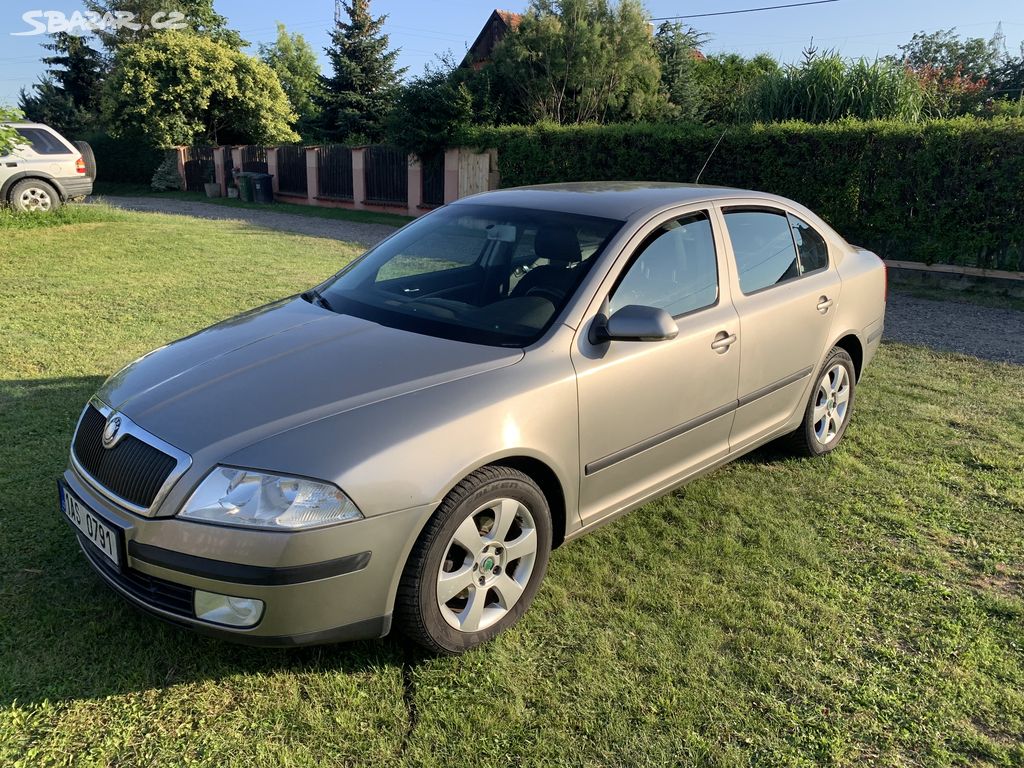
(824, 303)
(723, 340)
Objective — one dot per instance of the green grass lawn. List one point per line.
(866, 608)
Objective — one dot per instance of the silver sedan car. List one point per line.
(407, 442)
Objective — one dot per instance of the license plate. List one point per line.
(106, 538)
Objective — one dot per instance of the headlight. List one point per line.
(255, 499)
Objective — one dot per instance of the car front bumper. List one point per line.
(318, 586)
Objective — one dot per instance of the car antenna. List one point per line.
(712, 154)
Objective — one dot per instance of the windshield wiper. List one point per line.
(313, 296)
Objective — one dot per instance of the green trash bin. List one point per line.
(245, 187)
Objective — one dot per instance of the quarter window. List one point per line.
(43, 142)
(810, 245)
(676, 269)
(764, 249)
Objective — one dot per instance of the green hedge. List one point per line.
(126, 160)
(938, 192)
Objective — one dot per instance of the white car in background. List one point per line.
(46, 170)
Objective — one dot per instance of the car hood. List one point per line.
(279, 367)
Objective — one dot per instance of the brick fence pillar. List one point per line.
(358, 177)
(218, 170)
(180, 152)
(275, 183)
(415, 197)
(312, 174)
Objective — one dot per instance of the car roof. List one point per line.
(610, 199)
(25, 124)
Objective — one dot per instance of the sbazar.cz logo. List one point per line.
(82, 23)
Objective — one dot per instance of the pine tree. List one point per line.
(67, 96)
(357, 96)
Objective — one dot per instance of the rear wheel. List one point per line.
(35, 196)
(829, 408)
(478, 563)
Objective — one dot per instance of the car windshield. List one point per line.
(477, 273)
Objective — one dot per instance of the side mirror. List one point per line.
(634, 323)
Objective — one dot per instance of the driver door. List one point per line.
(653, 412)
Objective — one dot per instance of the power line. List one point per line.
(744, 10)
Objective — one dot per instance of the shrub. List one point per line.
(166, 177)
(130, 159)
(938, 191)
(827, 87)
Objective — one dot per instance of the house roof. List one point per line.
(493, 30)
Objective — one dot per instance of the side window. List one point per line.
(763, 246)
(43, 142)
(676, 269)
(810, 245)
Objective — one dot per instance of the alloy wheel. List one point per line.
(831, 403)
(487, 565)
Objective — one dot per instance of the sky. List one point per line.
(422, 29)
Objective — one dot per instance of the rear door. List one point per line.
(784, 289)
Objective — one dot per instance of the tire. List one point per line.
(89, 157)
(504, 519)
(827, 414)
(34, 195)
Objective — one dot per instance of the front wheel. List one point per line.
(829, 408)
(478, 563)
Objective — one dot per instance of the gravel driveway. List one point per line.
(337, 229)
(994, 334)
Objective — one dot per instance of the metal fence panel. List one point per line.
(291, 170)
(433, 180)
(254, 159)
(387, 175)
(199, 167)
(334, 163)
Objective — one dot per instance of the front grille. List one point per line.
(165, 595)
(133, 470)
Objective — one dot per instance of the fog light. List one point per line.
(232, 611)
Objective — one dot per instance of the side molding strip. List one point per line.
(699, 421)
(651, 442)
(757, 394)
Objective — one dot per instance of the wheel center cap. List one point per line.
(488, 565)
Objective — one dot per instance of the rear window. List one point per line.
(44, 142)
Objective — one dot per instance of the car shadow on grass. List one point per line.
(63, 633)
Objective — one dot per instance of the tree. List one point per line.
(356, 98)
(294, 61)
(947, 52)
(9, 138)
(67, 96)
(726, 81)
(179, 87)
(953, 70)
(576, 61)
(678, 49)
(197, 15)
(432, 113)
